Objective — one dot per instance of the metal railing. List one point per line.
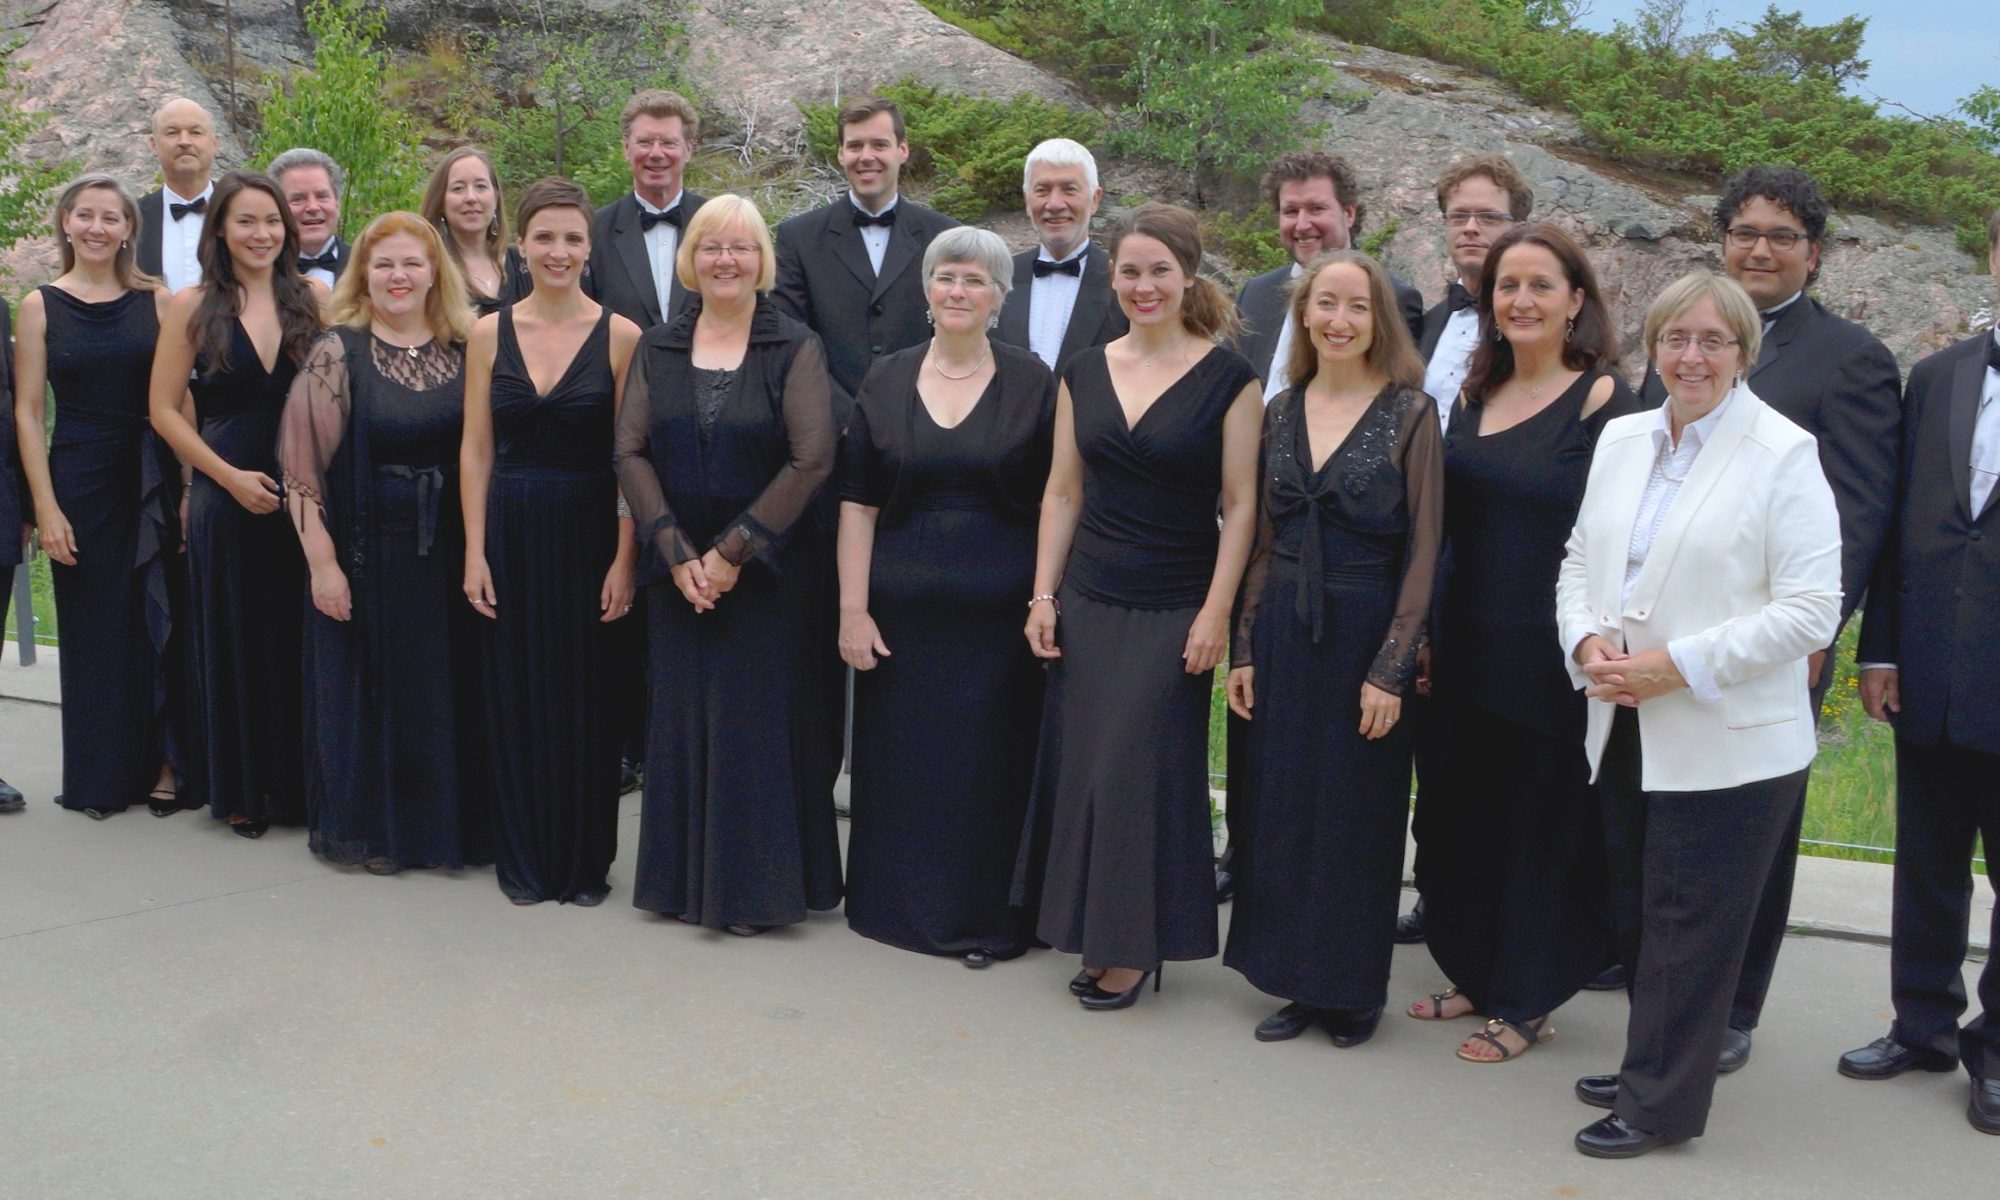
(24, 616)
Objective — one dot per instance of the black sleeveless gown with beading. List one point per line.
(1336, 596)
(1514, 885)
(246, 577)
(117, 486)
(551, 535)
(393, 731)
(1120, 810)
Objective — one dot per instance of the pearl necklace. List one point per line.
(937, 363)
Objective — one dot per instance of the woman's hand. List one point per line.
(722, 573)
(614, 599)
(693, 584)
(1241, 690)
(1207, 641)
(330, 593)
(1594, 649)
(58, 539)
(1379, 711)
(860, 641)
(479, 586)
(1633, 680)
(254, 490)
(1041, 629)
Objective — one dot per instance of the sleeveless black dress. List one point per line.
(116, 484)
(371, 436)
(551, 535)
(1514, 887)
(245, 579)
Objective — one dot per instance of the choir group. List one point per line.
(413, 539)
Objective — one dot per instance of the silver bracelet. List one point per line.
(1048, 597)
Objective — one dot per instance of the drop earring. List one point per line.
(930, 318)
(1569, 328)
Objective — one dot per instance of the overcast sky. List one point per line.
(1928, 54)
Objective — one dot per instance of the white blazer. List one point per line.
(1746, 564)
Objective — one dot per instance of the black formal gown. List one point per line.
(515, 283)
(1119, 824)
(738, 822)
(551, 536)
(1514, 884)
(117, 486)
(245, 580)
(945, 726)
(1336, 596)
(370, 437)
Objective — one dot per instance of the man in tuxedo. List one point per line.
(170, 219)
(634, 239)
(1480, 199)
(15, 509)
(312, 183)
(1933, 623)
(1840, 383)
(1318, 205)
(1061, 300)
(853, 270)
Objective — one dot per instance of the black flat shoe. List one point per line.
(249, 829)
(1099, 1000)
(1610, 979)
(1613, 1138)
(1288, 1022)
(1351, 1028)
(977, 959)
(588, 899)
(1735, 1051)
(748, 930)
(1598, 1091)
(1983, 1110)
(1886, 1058)
(1084, 983)
(1225, 885)
(11, 799)
(1410, 926)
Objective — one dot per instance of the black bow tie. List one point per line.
(1458, 297)
(1073, 267)
(326, 259)
(885, 218)
(1992, 355)
(182, 210)
(648, 218)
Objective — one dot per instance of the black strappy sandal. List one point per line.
(1534, 1033)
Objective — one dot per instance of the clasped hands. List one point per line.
(1628, 679)
(703, 580)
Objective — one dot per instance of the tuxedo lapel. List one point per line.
(1967, 382)
(1789, 325)
(900, 253)
(152, 219)
(1092, 295)
(847, 246)
(1013, 327)
(633, 254)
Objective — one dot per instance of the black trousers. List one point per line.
(1944, 796)
(1686, 869)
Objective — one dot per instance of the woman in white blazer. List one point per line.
(1703, 569)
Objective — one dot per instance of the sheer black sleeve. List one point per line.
(638, 482)
(1422, 462)
(759, 530)
(314, 422)
(1259, 569)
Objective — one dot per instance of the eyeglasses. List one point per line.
(1743, 237)
(1486, 219)
(733, 250)
(951, 279)
(1710, 344)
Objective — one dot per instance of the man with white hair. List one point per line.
(170, 219)
(1061, 300)
(312, 183)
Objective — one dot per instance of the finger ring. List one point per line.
(628, 608)
(1389, 720)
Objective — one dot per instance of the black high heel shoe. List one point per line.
(1084, 983)
(1099, 1000)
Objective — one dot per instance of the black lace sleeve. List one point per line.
(1422, 462)
(759, 530)
(638, 482)
(314, 422)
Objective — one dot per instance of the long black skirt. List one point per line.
(1121, 780)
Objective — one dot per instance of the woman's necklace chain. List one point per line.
(937, 363)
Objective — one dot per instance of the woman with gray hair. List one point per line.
(941, 482)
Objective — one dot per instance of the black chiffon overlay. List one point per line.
(246, 579)
(392, 725)
(945, 726)
(1514, 885)
(551, 536)
(738, 822)
(1118, 846)
(1335, 597)
(116, 484)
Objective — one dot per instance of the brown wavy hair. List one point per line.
(1591, 343)
(432, 208)
(1207, 311)
(221, 291)
(1390, 351)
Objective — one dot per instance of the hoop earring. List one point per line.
(1569, 328)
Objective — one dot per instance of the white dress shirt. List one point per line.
(663, 242)
(180, 240)
(323, 274)
(1986, 439)
(1451, 361)
(874, 237)
(1671, 464)
(1281, 374)
(1051, 303)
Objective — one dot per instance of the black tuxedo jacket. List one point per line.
(1934, 608)
(825, 281)
(15, 506)
(152, 220)
(1095, 320)
(620, 271)
(1838, 382)
(1262, 302)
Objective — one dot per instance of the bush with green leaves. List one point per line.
(27, 185)
(968, 148)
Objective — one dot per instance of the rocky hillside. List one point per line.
(100, 66)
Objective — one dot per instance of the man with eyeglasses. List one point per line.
(633, 239)
(1480, 198)
(1840, 383)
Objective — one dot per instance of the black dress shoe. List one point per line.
(11, 799)
(1886, 1058)
(1099, 1000)
(1351, 1028)
(741, 930)
(589, 899)
(249, 829)
(1735, 1051)
(977, 959)
(1410, 926)
(1984, 1109)
(1083, 984)
(98, 814)
(1613, 1138)
(1610, 979)
(1598, 1091)
(1288, 1022)
(1225, 885)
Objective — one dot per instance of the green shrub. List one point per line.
(27, 189)
(1248, 239)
